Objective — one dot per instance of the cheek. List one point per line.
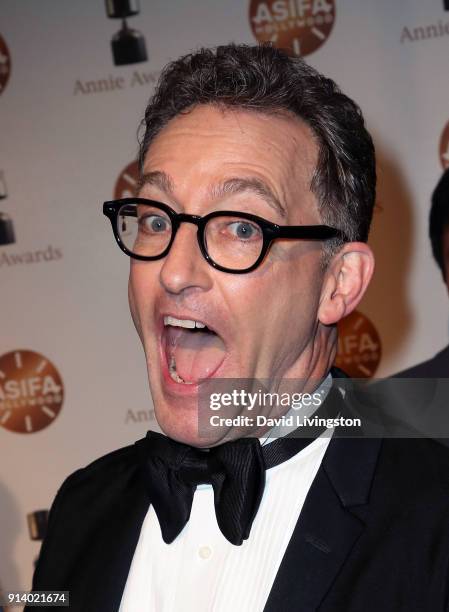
(291, 299)
(140, 292)
(133, 307)
(141, 281)
(271, 300)
(282, 294)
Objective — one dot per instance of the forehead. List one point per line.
(210, 144)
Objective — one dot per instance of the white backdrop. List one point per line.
(68, 121)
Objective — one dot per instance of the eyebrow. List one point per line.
(231, 186)
(254, 185)
(157, 178)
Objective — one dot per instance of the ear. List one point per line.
(345, 281)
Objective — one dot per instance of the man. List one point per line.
(248, 245)
(437, 366)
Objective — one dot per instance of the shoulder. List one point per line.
(416, 467)
(85, 515)
(96, 490)
(115, 462)
(112, 472)
(437, 367)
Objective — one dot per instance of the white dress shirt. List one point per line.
(201, 571)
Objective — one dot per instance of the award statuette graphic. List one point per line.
(31, 391)
(7, 235)
(128, 45)
(37, 526)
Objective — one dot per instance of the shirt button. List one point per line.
(205, 552)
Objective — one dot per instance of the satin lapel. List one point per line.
(327, 529)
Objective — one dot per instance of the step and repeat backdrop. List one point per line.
(74, 81)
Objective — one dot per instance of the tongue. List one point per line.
(196, 354)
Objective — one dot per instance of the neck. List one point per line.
(301, 410)
(306, 376)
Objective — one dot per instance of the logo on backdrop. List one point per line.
(128, 45)
(31, 391)
(139, 416)
(8, 237)
(5, 64)
(126, 184)
(300, 26)
(427, 30)
(359, 346)
(444, 146)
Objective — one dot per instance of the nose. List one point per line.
(185, 267)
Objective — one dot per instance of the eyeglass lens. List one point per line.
(232, 242)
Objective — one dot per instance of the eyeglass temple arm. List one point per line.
(311, 232)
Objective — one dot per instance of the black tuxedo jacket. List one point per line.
(373, 535)
(437, 367)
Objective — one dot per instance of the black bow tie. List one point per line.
(236, 471)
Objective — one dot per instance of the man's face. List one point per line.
(264, 321)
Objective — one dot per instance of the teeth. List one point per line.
(187, 323)
(172, 371)
(174, 374)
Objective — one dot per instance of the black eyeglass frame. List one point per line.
(270, 231)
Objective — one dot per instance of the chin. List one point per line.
(183, 427)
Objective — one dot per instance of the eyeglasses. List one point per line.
(230, 241)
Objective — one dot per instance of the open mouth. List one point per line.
(192, 350)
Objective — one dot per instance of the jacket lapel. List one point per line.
(327, 528)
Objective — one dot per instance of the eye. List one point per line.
(244, 230)
(155, 224)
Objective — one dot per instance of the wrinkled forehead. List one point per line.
(209, 145)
